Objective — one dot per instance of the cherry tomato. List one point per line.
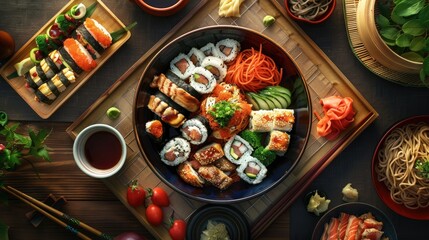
(135, 194)
(159, 197)
(177, 229)
(154, 214)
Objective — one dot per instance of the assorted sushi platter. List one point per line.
(64, 54)
(216, 128)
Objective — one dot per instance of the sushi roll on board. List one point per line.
(252, 170)
(94, 37)
(76, 57)
(169, 111)
(216, 66)
(202, 80)
(182, 66)
(179, 91)
(196, 130)
(45, 70)
(50, 90)
(228, 49)
(175, 151)
(236, 148)
(278, 142)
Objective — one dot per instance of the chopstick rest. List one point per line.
(36, 218)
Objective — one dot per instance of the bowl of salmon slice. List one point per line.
(355, 220)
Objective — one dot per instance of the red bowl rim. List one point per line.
(382, 190)
(319, 20)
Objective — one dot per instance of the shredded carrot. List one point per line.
(252, 70)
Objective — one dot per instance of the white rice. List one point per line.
(198, 54)
(216, 63)
(210, 50)
(177, 71)
(197, 124)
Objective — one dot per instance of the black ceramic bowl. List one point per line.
(239, 191)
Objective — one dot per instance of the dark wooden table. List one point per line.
(90, 201)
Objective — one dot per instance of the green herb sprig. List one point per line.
(223, 111)
(404, 27)
(15, 147)
(423, 167)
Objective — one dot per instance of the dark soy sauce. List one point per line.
(161, 3)
(103, 150)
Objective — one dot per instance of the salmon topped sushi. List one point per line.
(76, 56)
(94, 37)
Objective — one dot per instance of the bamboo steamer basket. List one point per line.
(377, 48)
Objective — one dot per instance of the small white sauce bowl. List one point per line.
(79, 151)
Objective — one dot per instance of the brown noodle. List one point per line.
(396, 161)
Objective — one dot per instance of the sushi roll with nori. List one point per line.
(228, 49)
(178, 90)
(209, 50)
(202, 80)
(196, 56)
(182, 66)
(155, 129)
(252, 170)
(236, 149)
(216, 66)
(76, 57)
(50, 90)
(278, 142)
(175, 151)
(94, 37)
(169, 111)
(196, 130)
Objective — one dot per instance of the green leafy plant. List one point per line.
(15, 147)
(404, 27)
(423, 167)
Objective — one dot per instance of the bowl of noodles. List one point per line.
(399, 181)
(223, 137)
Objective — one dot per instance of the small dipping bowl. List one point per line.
(318, 19)
(161, 7)
(100, 150)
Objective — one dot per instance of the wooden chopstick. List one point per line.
(41, 207)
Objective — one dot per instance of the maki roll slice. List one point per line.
(196, 56)
(252, 170)
(94, 37)
(236, 149)
(202, 80)
(216, 66)
(228, 49)
(182, 66)
(175, 151)
(169, 111)
(43, 71)
(50, 90)
(76, 57)
(209, 50)
(177, 90)
(196, 130)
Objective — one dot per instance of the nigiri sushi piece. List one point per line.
(344, 219)
(94, 37)
(215, 176)
(352, 227)
(76, 57)
(209, 153)
(189, 174)
(333, 229)
(155, 129)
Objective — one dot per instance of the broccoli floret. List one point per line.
(264, 155)
(253, 138)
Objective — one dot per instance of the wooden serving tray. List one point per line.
(323, 79)
(103, 15)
